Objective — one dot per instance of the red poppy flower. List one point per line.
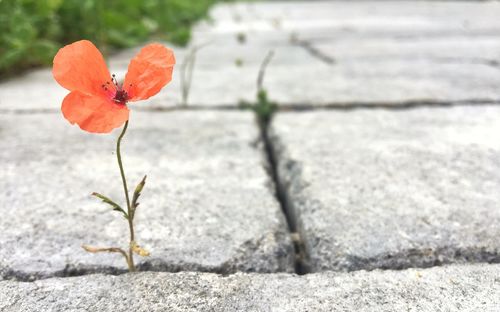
(97, 103)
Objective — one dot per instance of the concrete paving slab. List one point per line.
(397, 83)
(327, 20)
(479, 49)
(374, 188)
(208, 204)
(36, 90)
(454, 288)
(384, 52)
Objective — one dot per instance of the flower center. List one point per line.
(120, 96)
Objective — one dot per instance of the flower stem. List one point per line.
(130, 259)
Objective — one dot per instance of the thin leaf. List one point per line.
(108, 201)
(137, 193)
(92, 249)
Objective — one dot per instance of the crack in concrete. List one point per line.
(313, 51)
(7, 274)
(283, 189)
(396, 105)
(281, 197)
(461, 60)
(154, 265)
(68, 271)
(423, 258)
(296, 107)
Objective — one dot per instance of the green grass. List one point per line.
(31, 31)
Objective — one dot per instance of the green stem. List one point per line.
(130, 261)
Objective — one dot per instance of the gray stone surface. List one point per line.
(36, 90)
(333, 21)
(384, 52)
(374, 188)
(208, 203)
(454, 288)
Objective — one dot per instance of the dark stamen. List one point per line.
(121, 97)
(115, 82)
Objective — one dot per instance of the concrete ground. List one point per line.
(375, 187)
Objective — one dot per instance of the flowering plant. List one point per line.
(97, 103)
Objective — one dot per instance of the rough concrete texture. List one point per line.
(208, 203)
(375, 188)
(326, 53)
(454, 288)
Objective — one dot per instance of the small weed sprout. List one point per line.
(238, 62)
(264, 108)
(187, 69)
(241, 38)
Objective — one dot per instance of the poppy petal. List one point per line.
(93, 113)
(80, 66)
(149, 71)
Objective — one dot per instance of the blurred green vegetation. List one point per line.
(31, 31)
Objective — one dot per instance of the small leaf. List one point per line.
(108, 201)
(137, 193)
(138, 249)
(140, 186)
(91, 249)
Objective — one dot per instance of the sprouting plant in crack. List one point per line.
(263, 107)
(187, 69)
(98, 104)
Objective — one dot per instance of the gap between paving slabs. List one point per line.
(286, 107)
(281, 197)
